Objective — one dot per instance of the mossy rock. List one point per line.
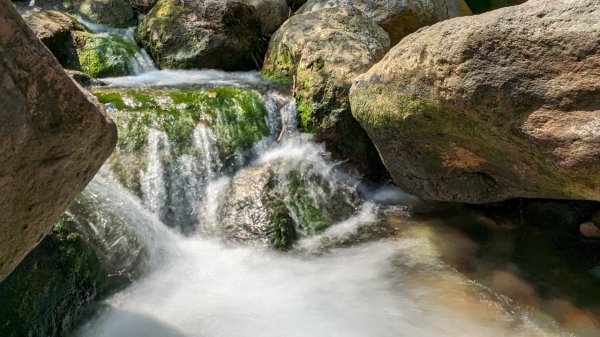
(323, 51)
(397, 17)
(455, 121)
(115, 13)
(277, 203)
(52, 287)
(104, 55)
(236, 116)
(212, 34)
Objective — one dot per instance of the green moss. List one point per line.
(236, 116)
(104, 56)
(312, 218)
(282, 233)
(307, 118)
(52, 287)
(278, 78)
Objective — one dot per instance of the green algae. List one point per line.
(236, 116)
(105, 55)
(53, 286)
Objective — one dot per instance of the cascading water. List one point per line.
(220, 278)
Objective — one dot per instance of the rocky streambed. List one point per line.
(268, 203)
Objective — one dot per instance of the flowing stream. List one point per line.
(209, 274)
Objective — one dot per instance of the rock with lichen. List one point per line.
(322, 52)
(491, 107)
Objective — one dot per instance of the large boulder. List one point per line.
(323, 51)
(54, 139)
(202, 34)
(115, 13)
(397, 17)
(501, 105)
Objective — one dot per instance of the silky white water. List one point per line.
(328, 285)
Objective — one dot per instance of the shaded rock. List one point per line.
(272, 13)
(83, 79)
(55, 29)
(596, 218)
(295, 4)
(490, 107)
(54, 139)
(480, 6)
(589, 230)
(90, 253)
(143, 6)
(115, 13)
(397, 17)
(202, 34)
(323, 51)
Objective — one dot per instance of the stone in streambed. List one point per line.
(397, 17)
(324, 51)
(115, 13)
(187, 34)
(491, 107)
(272, 13)
(54, 139)
(589, 230)
(76, 48)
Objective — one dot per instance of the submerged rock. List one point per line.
(115, 13)
(397, 17)
(55, 137)
(491, 107)
(214, 34)
(323, 51)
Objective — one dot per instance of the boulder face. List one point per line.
(272, 13)
(54, 139)
(115, 13)
(55, 29)
(397, 17)
(324, 51)
(188, 34)
(496, 106)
